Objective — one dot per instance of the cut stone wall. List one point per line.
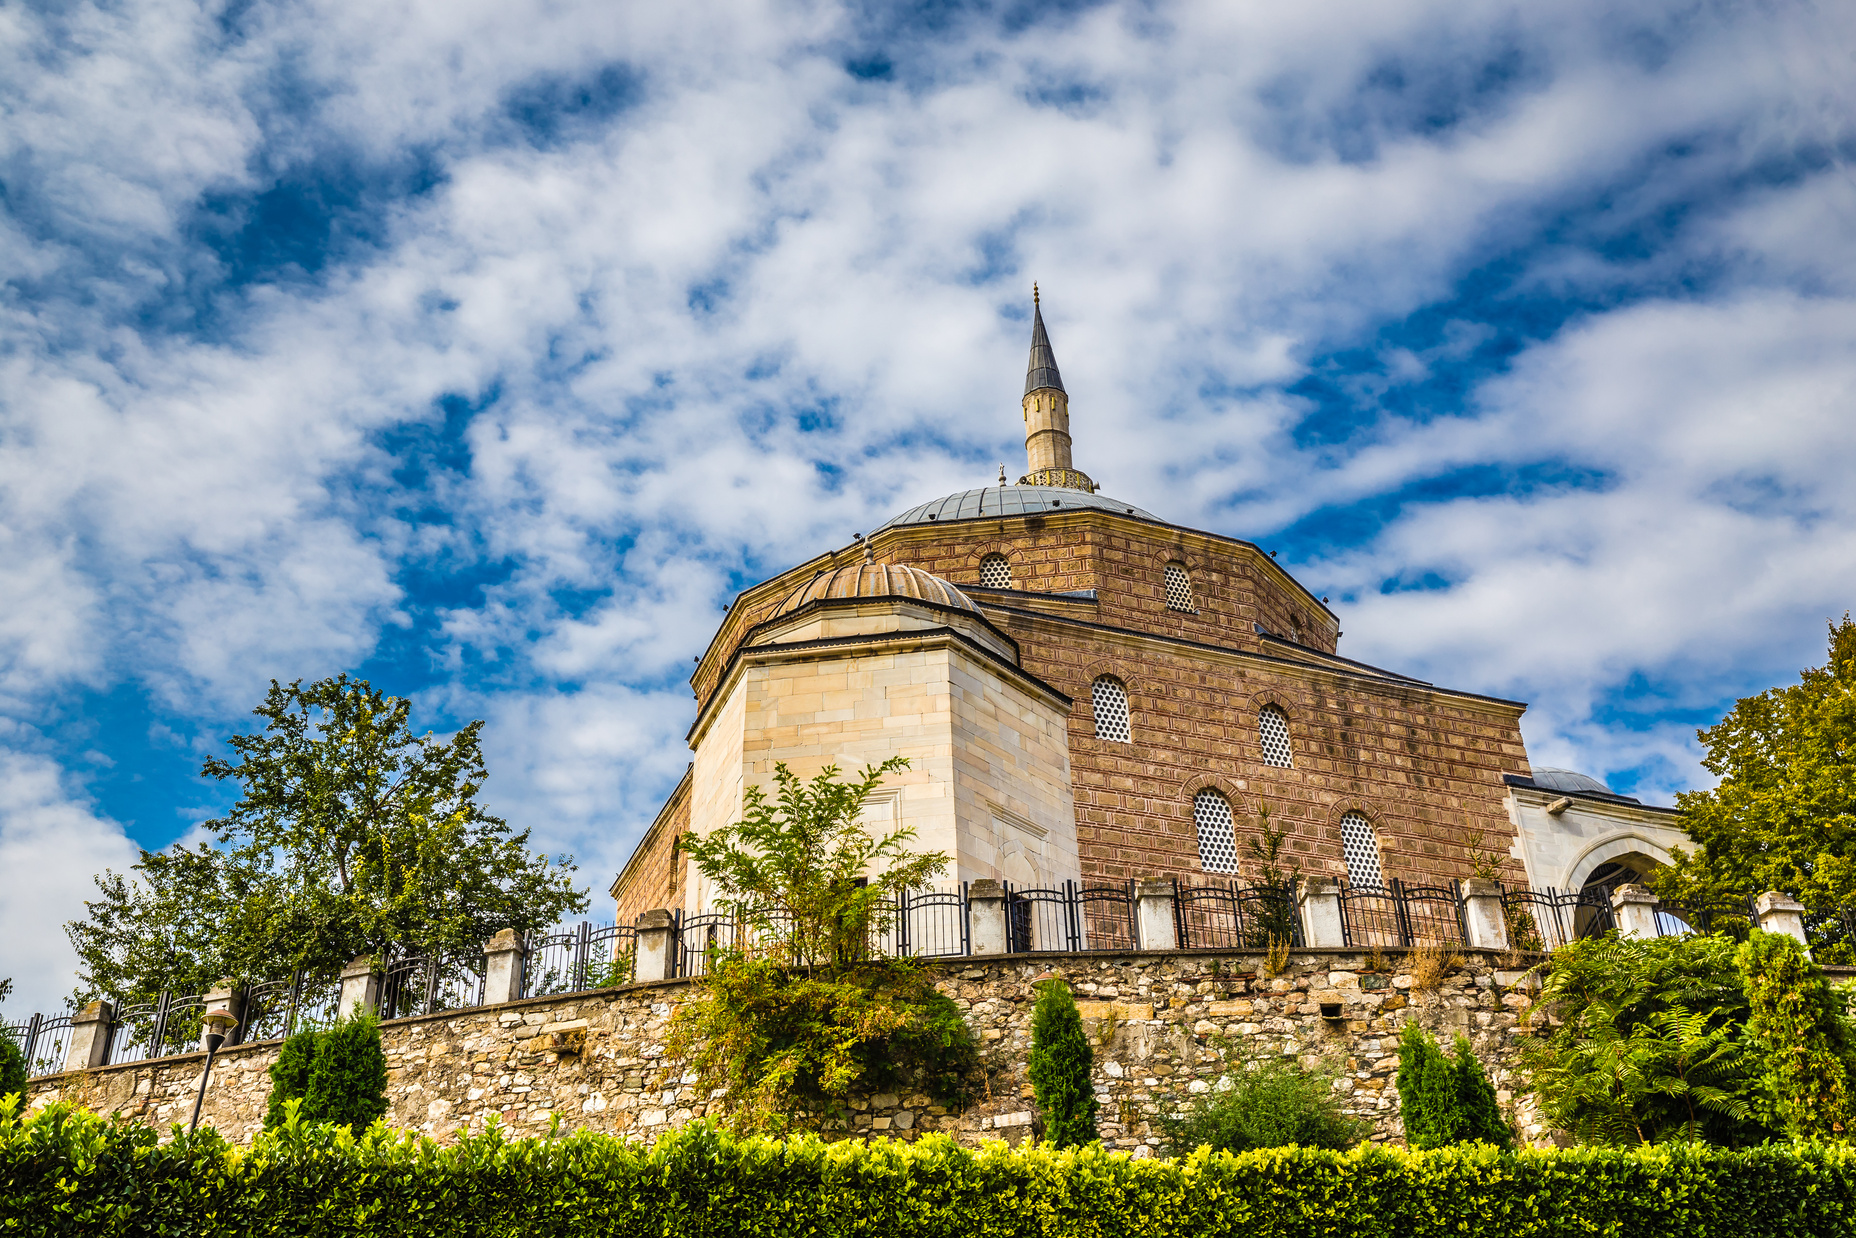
(1155, 1021)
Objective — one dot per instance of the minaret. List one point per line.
(1047, 416)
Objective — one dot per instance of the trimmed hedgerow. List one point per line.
(66, 1171)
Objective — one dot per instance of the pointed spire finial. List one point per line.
(1034, 292)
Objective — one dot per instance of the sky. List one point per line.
(487, 350)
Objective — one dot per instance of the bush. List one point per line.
(1801, 1030)
(348, 1076)
(290, 1075)
(1060, 1067)
(13, 1074)
(1444, 1101)
(65, 1171)
(1268, 1104)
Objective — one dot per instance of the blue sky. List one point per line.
(487, 350)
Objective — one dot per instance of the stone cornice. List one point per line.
(1611, 805)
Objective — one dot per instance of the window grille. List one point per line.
(1178, 587)
(1273, 731)
(1361, 848)
(1111, 702)
(1211, 812)
(995, 572)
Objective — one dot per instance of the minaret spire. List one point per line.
(1047, 415)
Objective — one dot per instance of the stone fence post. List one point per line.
(986, 918)
(1155, 927)
(1483, 920)
(1779, 912)
(502, 968)
(1635, 911)
(90, 1037)
(656, 941)
(360, 986)
(1318, 899)
(226, 993)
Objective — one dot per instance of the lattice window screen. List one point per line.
(1211, 812)
(1273, 731)
(1111, 702)
(995, 572)
(1361, 847)
(1178, 587)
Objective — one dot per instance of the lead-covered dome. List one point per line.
(877, 580)
(1568, 780)
(1012, 501)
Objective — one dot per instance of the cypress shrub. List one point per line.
(1796, 1020)
(1059, 1068)
(290, 1075)
(13, 1074)
(348, 1078)
(1442, 1101)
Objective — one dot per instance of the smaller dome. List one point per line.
(876, 580)
(1568, 780)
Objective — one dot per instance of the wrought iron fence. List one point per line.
(1401, 915)
(1733, 917)
(276, 1009)
(414, 984)
(928, 924)
(1547, 919)
(697, 937)
(168, 1025)
(1109, 917)
(1831, 934)
(586, 957)
(43, 1040)
(1226, 916)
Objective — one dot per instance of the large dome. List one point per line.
(1012, 501)
(1568, 780)
(876, 580)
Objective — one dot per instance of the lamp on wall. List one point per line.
(218, 1021)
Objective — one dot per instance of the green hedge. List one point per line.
(68, 1172)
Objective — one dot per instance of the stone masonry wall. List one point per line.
(1155, 1020)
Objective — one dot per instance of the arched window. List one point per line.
(1273, 733)
(1178, 587)
(1211, 812)
(1111, 702)
(995, 572)
(1361, 847)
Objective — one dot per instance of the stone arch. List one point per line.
(1614, 848)
(979, 550)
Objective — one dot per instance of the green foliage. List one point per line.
(65, 1171)
(348, 1075)
(802, 1015)
(1783, 815)
(805, 878)
(351, 835)
(1060, 1066)
(13, 1073)
(787, 1048)
(1801, 1031)
(1445, 1100)
(290, 1075)
(1645, 1043)
(1269, 1103)
(1268, 851)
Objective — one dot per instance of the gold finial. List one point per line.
(1002, 475)
(1034, 292)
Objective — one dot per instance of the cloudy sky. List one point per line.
(485, 350)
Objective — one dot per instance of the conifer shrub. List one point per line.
(1271, 1103)
(1060, 1065)
(1444, 1100)
(348, 1077)
(1801, 1031)
(290, 1075)
(13, 1074)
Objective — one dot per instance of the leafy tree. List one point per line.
(1802, 1033)
(801, 1011)
(1060, 1067)
(1644, 1043)
(348, 1075)
(290, 1075)
(1783, 816)
(351, 835)
(1269, 1103)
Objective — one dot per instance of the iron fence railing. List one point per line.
(1547, 919)
(277, 1009)
(415, 984)
(1731, 917)
(168, 1025)
(44, 1041)
(587, 957)
(1402, 915)
(1227, 916)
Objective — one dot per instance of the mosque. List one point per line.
(1087, 691)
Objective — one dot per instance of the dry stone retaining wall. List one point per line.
(596, 1060)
